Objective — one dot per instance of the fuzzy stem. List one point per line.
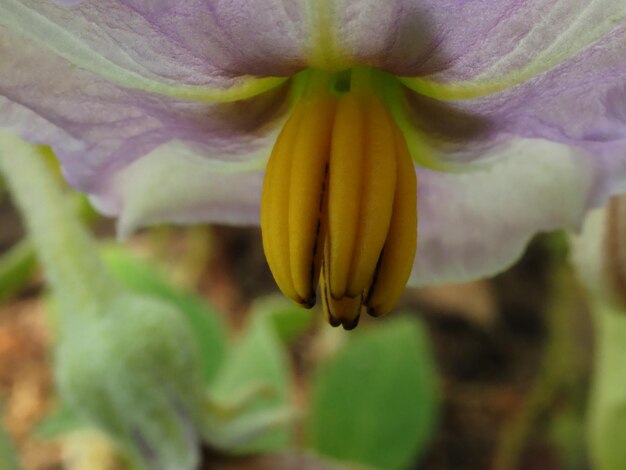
(63, 245)
(16, 268)
(607, 407)
(556, 374)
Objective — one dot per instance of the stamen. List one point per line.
(345, 312)
(309, 160)
(376, 197)
(345, 184)
(292, 191)
(396, 260)
(340, 187)
(275, 206)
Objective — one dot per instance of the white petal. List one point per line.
(477, 224)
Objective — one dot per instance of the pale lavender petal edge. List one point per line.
(97, 128)
(477, 224)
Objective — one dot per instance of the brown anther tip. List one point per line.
(308, 303)
(351, 324)
(334, 322)
(372, 312)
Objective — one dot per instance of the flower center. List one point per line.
(339, 206)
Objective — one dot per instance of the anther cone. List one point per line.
(339, 207)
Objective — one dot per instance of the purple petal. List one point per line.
(533, 69)
(453, 40)
(143, 157)
(67, 2)
(477, 224)
(174, 184)
(97, 128)
(581, 102)
(194, 42)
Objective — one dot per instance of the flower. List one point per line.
(513, 111)
(133, 373)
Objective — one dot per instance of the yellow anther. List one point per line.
(345, 311)
(345, 182)
(340, 187)
(396, 259)
(275, 206)
(291, 203)
(306, 187)
(378, 182)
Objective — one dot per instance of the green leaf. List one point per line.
(16, 268)
(375, 401)
(8, 455)
(256, 368)
(607, 406)
(141, 276)
(61, 420)
(288, 319)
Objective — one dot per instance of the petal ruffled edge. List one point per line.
(477, 224)
(174, 184)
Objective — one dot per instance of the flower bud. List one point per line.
(126, 363)
(133, 371)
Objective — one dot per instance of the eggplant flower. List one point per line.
(510, 113)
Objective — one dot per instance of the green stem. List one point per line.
(362, 79)
(607, 404)
(16, 268)
(8, 455)
(559, 362)
(63, 245)
(318, 82)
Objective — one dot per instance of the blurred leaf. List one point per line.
(16, 268)
(8, 454)
(567, 433)
(61, 420)
(143, 277)
(288, 319)
(257, 368)
(375, 401)
(607, 404)
(558, 244)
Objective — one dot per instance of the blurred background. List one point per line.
(511, 356)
